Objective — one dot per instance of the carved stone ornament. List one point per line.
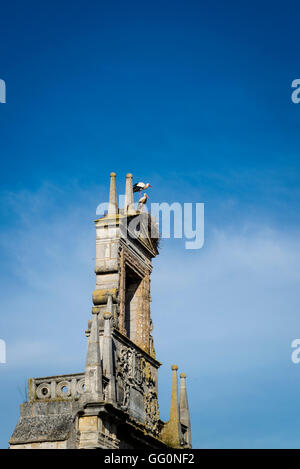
(124, 374)
(151, 400)
(134, 371)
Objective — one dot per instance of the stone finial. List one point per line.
(93, 370)
(113, 202)
(171, 433)
(184, 409)
(174, 412)
(129, 204)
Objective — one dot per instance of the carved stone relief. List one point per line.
(134, 372)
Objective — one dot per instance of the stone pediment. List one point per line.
(144, 229)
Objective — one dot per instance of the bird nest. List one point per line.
(144, 227)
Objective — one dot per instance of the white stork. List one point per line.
(141, 186)
(143, 200)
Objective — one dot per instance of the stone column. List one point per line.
(129, 204)
(113, 201)
(93, 370)
(171, 433)
(184, 409)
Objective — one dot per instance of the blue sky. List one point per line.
(196, 98)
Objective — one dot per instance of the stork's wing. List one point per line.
(138, 186)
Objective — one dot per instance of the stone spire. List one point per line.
(184, 409)
(93, 370)
(174, 412)
(171, 433)
(107, 358)
(113, 202)
(129, 204)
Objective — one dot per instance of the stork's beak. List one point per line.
(150, 186)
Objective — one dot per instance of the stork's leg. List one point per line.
(140, 194)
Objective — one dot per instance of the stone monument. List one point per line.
(114, 402)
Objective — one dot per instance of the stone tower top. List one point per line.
(126, 242)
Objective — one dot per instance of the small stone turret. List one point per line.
(93, 370)
(184, 412)
(113, 200)
(129, 205)
(177, 431)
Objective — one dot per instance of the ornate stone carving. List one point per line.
(137, 368)
(43, 391)
(151, 400)
(134, 371)
(63, 389)
(124, 374)
(151, 410)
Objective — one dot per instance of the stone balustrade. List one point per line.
(57, 387)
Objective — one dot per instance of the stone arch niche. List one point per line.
(135, 300)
